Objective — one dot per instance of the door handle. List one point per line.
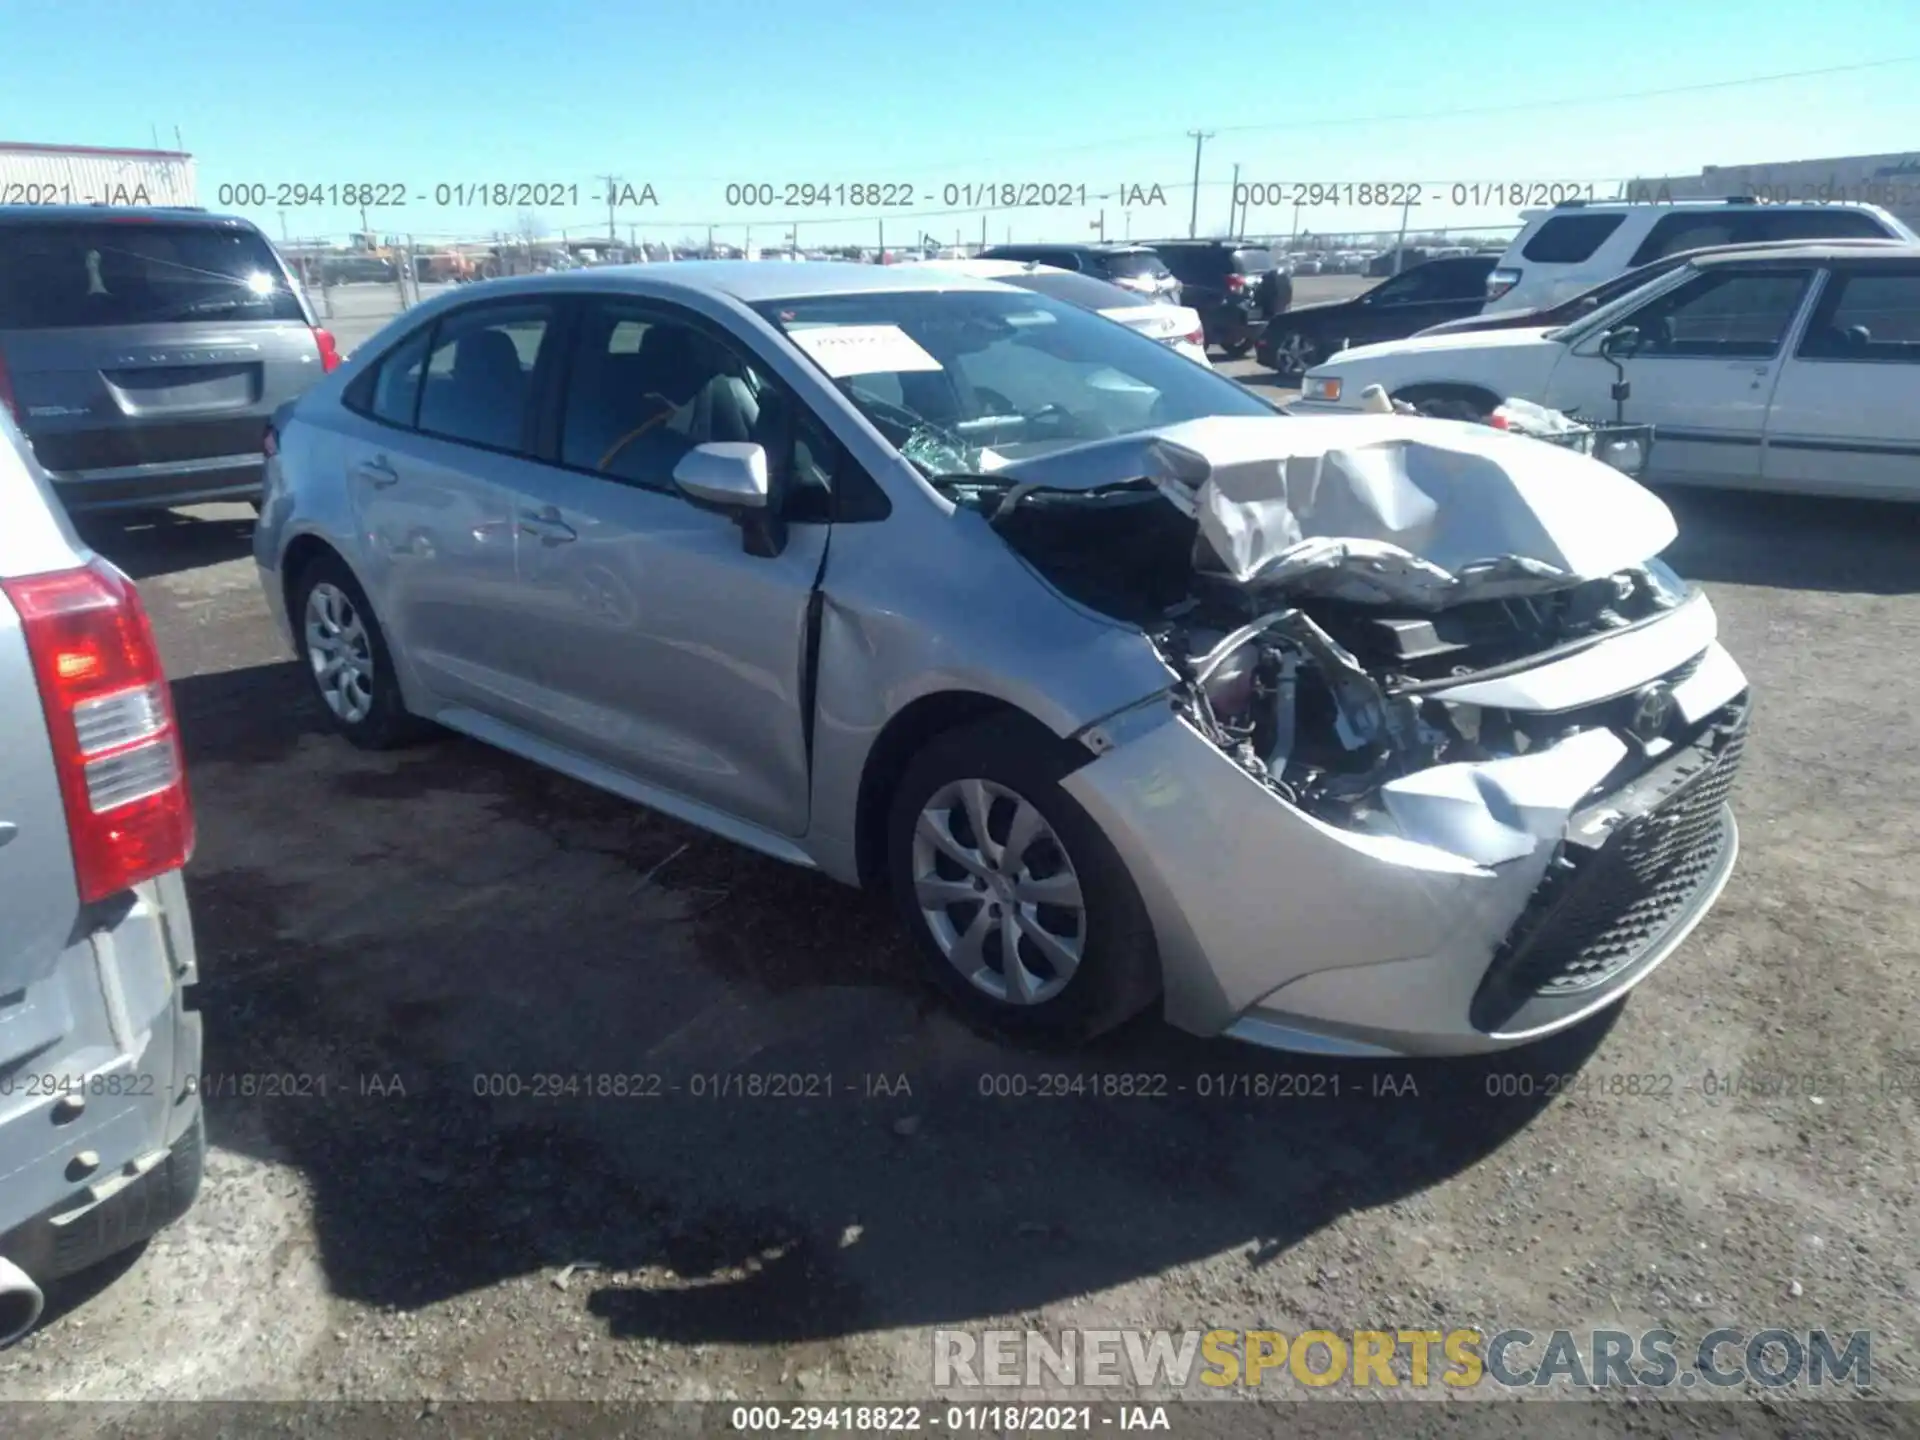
(547, 526)
(377, 472)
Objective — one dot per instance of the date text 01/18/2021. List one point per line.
(1397, 194)
(443, 194)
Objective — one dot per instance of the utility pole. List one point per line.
(1200, 138)
(1400, 245)
(1234, 215)
(365, 228)
(709, 242)
(983, 232)
(612, 181)
(1126, 220)
(1101, 225)
(881, 253)
(1296, 225)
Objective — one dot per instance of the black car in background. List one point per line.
(1131, 267)
(1443, 289)
(1237, 289)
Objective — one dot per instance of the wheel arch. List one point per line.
(905, 734)
(1448, 390)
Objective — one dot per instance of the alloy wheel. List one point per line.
(1293, 354)
(998, 892)
(340, 652)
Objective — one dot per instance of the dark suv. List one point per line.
(1131, 267)
(142, 351)
(1237, 289)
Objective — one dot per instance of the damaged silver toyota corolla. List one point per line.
(1365, 735)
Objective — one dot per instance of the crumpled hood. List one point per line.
(1379, 508)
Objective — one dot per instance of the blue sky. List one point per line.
(690, 96)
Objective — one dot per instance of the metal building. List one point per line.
(1890, 181)
(88, 175)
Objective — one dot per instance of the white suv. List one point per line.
(1563, 251)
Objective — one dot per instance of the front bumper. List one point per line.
(1517, 897)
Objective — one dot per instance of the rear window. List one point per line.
(1133, 264)
(131, 273)
(1082, 290)
(1253, 262)
(1674, 233)
(1569, 239)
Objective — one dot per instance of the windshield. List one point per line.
(1135, 265)
(57, 276)
(965, 381)
(1611, 310)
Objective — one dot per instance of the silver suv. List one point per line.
(101, 1137)
(142, 351)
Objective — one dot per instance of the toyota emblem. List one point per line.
(1652, 710)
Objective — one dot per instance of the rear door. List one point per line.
(1843, 417)
(132, 342)
(439, 427)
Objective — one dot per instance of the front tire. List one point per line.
(1022, 908)
(345, 656)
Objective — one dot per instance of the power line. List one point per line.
(1332, 121)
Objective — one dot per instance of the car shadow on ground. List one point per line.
(164, 542)
(1795, 542)
(518, 1024)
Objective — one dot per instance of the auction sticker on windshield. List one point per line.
(845, 350)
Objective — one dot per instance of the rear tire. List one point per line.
(1291, 354)
(1044, 880)
(344, 654)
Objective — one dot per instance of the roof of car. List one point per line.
(1788, 251)
(987, 269)
(122, 214)
(1095, 247)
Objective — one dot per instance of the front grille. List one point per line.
(1600, 908)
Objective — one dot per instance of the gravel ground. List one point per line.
(397, 933)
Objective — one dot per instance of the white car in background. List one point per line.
(1783, 367)
(1579, 243)
(1175, 326)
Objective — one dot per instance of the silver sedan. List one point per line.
(1366, 735)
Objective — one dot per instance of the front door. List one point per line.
(667, 651)
(1843, 418)
(1710, 351)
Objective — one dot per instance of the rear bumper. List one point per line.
(100, 1117)
(171, 482)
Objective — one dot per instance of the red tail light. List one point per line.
(110, 718)
(1198, 337)
(1236, 283)
(329, 352)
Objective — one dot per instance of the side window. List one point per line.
(646, 387)
(1722, 314)
(1689, 230)
(1867, 315)
(1569, 239)
(396, 386)
(1409, 288)
(479, 376)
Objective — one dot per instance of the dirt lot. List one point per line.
(388, 937)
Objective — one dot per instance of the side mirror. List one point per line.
(731, 476)
(726, 474)
(1620, 341)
